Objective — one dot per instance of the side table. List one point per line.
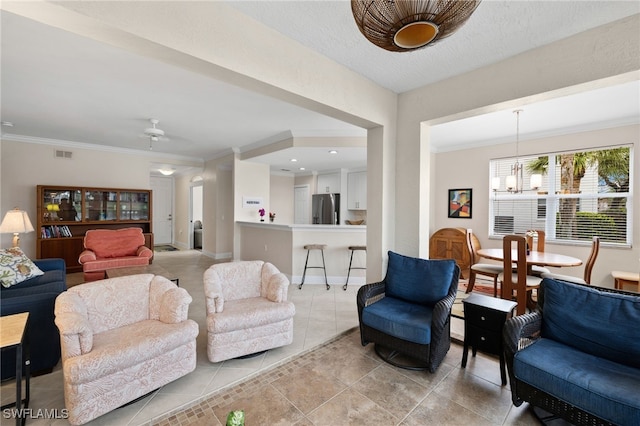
(622, 278)
(484, 318)
(15, 334)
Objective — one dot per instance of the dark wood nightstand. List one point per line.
(484, 317)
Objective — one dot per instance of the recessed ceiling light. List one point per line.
(7, 123)
(293, 160)
(333, 151)
(167, 172)
(302, 168)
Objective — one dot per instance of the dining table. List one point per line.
(539, 258)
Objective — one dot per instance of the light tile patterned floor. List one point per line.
(339, 383)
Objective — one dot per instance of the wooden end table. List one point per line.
(622, 278)
(148, 269)
(484, 318)
(14, 333)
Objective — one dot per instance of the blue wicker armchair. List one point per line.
(577, 356)
(408, 314)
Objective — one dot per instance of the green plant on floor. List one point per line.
(235, 418)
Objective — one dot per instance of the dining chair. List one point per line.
(588, 267)
(536, 242)
(517, 284)
(491, 270)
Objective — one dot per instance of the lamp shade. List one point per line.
(16, 221)
(405, 25)
(495, 183)
(536, 181)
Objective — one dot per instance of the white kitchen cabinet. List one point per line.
(357, 191)
(328, 183)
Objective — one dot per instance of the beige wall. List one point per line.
(604, 55)
(281, 198)
(26, 165)
(214, 39)
(474, 163)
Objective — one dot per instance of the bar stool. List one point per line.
(308, 248)
(353, 248)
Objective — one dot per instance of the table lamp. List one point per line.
(15, 222)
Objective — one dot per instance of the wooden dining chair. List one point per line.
(491, 270)
(588, 267)
(517, 285)
(536, 241)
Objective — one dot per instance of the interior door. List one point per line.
(301, 204)
(162, 210)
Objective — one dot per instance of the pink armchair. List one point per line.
(112, 248)
(122, 338)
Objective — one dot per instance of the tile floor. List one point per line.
(350, 387)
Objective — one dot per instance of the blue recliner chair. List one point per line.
(407, 315)
(36, 296)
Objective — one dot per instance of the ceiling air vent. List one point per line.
(63, 154)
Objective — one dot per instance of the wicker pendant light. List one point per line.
(404, 25)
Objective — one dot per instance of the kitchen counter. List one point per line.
(296, 226)
(282, 245)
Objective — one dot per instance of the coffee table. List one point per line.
(148, 269)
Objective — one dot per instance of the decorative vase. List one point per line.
(271, 219)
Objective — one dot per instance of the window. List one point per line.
(582, 194)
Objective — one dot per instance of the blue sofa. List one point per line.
(36, 296)
(578, 355)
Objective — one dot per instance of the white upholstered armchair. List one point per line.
(122, 338)
(247, 309)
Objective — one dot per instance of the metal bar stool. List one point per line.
(353, 248)
(308, 248)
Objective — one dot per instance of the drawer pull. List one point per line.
(482, 318)
(482, 338)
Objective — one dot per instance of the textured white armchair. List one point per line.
(121, 338)
(247, 309)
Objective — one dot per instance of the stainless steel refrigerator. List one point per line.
(325, 209)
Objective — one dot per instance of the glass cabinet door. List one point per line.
(61, 205)
(134, 205)
(100, 205)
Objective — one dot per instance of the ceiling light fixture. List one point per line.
(405, 25)
(333, 151)
(167, 172)
(514, 180)
(293, 160)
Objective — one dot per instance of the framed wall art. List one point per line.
(460, 203)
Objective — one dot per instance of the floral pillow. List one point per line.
(15, 267)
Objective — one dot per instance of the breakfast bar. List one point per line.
(282, 245)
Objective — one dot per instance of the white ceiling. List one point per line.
(57, 86)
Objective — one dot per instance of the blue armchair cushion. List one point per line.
(601, 387)
(404, 320)
(421, 281)
(585, 318)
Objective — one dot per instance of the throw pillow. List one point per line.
(16, 267)
(421, 281)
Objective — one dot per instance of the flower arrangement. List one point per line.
(272, 216)
(261, 212)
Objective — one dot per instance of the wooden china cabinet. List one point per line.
(66, 213)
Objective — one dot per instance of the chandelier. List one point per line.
(405, 25)
(515, 180)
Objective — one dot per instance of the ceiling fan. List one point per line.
(153, 133)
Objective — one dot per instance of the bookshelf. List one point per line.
(66, 213)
